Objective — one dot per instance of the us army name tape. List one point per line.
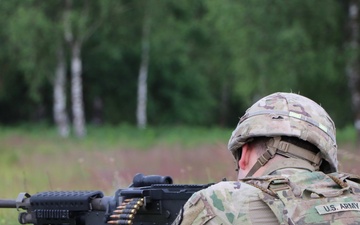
(337, 207)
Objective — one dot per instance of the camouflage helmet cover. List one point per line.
(288, 114)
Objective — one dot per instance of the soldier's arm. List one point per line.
(196, 211)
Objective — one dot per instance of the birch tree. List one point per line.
(75, 41)
(143, 74)
(60, 115)
(79, 25)
(352, 68)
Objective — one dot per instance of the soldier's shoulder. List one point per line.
(229, 186)
(230, 191)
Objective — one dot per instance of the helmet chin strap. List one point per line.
(277, 146)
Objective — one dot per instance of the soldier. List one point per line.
(286, 156)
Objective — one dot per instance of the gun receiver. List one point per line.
(149, 200)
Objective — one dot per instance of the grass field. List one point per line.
(34, 159)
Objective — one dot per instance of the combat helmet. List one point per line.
(292, 115)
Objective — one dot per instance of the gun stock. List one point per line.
(149, 200)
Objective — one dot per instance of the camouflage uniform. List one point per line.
(291, 192)
(290, 197)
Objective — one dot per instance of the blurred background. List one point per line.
(160, 62)
(92, 92)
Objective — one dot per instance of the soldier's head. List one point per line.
(287, 125)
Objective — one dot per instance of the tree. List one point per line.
(295, 54)
(141, 114)
(75, 42)
(81, 20)
(60, 114)
(353, 67)
(30, 59)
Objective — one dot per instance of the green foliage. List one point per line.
(31, 36)
(208, 59)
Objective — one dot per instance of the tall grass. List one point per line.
(347, 135)
(35, 158)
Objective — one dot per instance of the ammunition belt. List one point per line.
(125, 213)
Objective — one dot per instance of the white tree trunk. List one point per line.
(141, 115)
(353, 67)
(60, 115)
(76, 90)
(76, 72)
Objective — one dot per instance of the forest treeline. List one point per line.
(189, 62)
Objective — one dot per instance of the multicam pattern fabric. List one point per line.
(288, 114)
(286, 198)
(219, 204)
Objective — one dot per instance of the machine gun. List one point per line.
(149, 200)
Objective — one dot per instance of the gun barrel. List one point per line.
(7, 203)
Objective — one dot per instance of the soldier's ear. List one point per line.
(245, 157)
